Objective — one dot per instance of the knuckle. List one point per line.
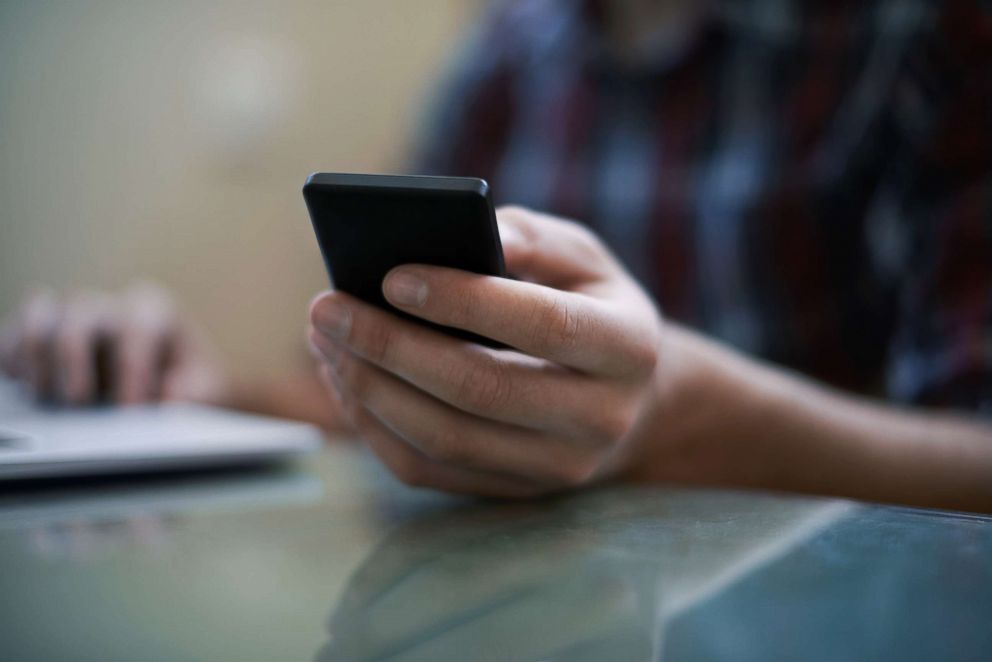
(379, 342)
(587, 238)
(557, 324)
(514, 211)
(582, 237)
(644, 356)
(464, 310)
(484, 384)
(587, 245)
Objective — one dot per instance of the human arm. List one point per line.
(754, 425)
(602, 388)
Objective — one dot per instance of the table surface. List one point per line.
(333, 560)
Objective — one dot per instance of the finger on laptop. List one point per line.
(82, 324)
(142, 336)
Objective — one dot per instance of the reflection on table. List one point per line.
(337, 561)
(591, 577)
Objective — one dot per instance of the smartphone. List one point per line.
(368, 224)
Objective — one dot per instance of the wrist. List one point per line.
(671, 441)
(707, 415)
(718, 418)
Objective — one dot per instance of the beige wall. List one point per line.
(171, 139)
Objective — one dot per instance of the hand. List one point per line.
(560, 409)
(131, 348)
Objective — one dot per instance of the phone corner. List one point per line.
(481, 187)
(311, 180)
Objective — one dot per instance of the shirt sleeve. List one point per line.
(941, 349)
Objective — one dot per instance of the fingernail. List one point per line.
(405, 289)
(333, 319)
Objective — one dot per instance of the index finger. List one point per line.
(569, 328)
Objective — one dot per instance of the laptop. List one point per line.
(41, 442)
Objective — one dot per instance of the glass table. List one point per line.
(333, 560)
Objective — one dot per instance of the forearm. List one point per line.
(733, 421)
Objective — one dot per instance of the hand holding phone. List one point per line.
(574, 400)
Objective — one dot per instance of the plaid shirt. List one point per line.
(809, 182)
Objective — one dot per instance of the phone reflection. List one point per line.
(591, 577)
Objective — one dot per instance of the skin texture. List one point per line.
(137, 346)
(455, 415)
(130, 348)
(600, 387)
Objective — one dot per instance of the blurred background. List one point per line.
(171, 140)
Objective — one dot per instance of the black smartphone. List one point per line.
(368, 224)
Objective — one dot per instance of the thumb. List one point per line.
(551, 251)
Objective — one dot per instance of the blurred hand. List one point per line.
(559, 410)
(133, 347)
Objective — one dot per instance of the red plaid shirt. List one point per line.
(808, 181)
